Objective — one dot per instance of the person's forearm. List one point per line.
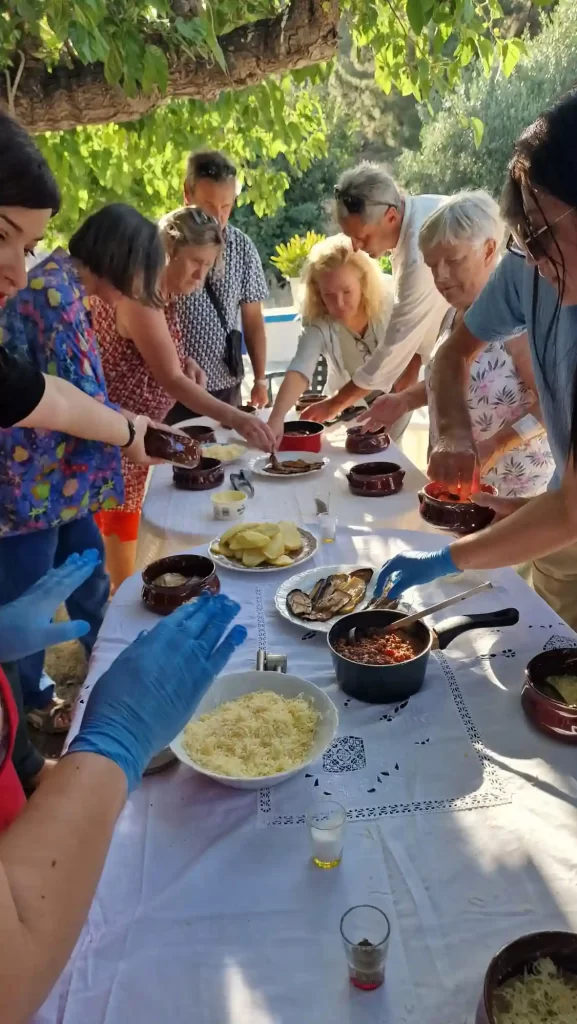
(348, 395)
(507, 437)
(51, 859)
(255, 341)
(409, 376)
(66, 408)
(449, 380)
(291, 389)
(544, 524)
(415, 397)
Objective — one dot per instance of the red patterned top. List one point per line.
(132, 385)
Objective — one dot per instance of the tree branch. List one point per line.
(77, 94)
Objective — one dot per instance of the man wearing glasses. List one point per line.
(379, 219)
(210, 318)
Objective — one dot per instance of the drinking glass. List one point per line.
(365, 931)
(326, 821)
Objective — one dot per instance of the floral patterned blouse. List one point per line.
(48, 478)
(498, 396)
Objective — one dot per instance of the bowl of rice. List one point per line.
(254, 729)
(532, 980)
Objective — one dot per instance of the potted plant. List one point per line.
(290, 259)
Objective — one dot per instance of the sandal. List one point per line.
(55, 719)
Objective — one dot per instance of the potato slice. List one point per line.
(252, 558)
(271, 529)
(233, 530)
(291, 536)
(283, 560)
(275, 548)
(249, 539)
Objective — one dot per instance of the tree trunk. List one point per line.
(68, 96)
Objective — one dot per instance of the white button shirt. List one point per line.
(418, 307)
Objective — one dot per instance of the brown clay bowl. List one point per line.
(308, 398)
(375, 479)
(550, 715)
(164, 600)
(510, 961)
(208, 474)
(175, 448)
(201, 433)
(366, 443)
(302, 436)
(457, 516)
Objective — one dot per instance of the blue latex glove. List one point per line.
(149, 693)
(25, 624)
(413, 568)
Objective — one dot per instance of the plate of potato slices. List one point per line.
(258, 547)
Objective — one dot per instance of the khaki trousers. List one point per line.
(555, 580)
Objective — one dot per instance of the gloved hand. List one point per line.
(413, 568)
(149, 693)
(25, 624)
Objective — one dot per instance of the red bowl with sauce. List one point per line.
(551, 716)
(302, 436)
(201, 575)
(439, 508)
(512, 960)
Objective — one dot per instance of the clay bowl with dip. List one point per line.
(209, 473)
(360, 442)
(364, 662)
(439, 507)
(173, 447)
(545, 705)
(177, 579)
(375, 479)
(518, 956)
(201, 433)
(302, 436)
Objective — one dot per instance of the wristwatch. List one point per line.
(131, 434)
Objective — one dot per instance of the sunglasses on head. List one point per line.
(357, 204)
(211, 169)
(534, 243)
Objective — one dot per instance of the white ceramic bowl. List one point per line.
(236, 685)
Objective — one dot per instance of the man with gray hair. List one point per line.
(379, 219)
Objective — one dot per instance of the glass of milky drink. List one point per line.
(366, 930)
(326, 821)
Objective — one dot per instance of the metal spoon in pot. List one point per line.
(408, 620)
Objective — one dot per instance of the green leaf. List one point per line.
(416, 15)
(210, 35)
(154, 70)
(478, 130)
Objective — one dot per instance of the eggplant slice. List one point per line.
(333, 595)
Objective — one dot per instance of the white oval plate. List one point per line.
(306, 581)
(258, 465)
(309, 548)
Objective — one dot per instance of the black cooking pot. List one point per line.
(384, 684)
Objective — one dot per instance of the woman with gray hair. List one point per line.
(144, 362)
(461, 243)
(378, 218)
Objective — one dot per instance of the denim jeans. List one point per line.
(24, 559)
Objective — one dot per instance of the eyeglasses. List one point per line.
(357, 204)
(533, 243)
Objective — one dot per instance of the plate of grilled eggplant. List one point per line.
(317, 598)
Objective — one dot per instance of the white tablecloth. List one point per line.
(174, 520)
(203, 916)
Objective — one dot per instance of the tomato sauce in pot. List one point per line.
(388, 649)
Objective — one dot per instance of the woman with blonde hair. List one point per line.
(346, 309)
(146, 368)
(461, 242)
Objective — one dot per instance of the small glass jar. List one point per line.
(366, 931)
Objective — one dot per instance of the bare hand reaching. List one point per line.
(384, 412)
(455, 464)
(256, 433)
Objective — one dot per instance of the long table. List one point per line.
(174, 520)
(462, 826)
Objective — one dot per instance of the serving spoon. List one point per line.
(357, 631)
